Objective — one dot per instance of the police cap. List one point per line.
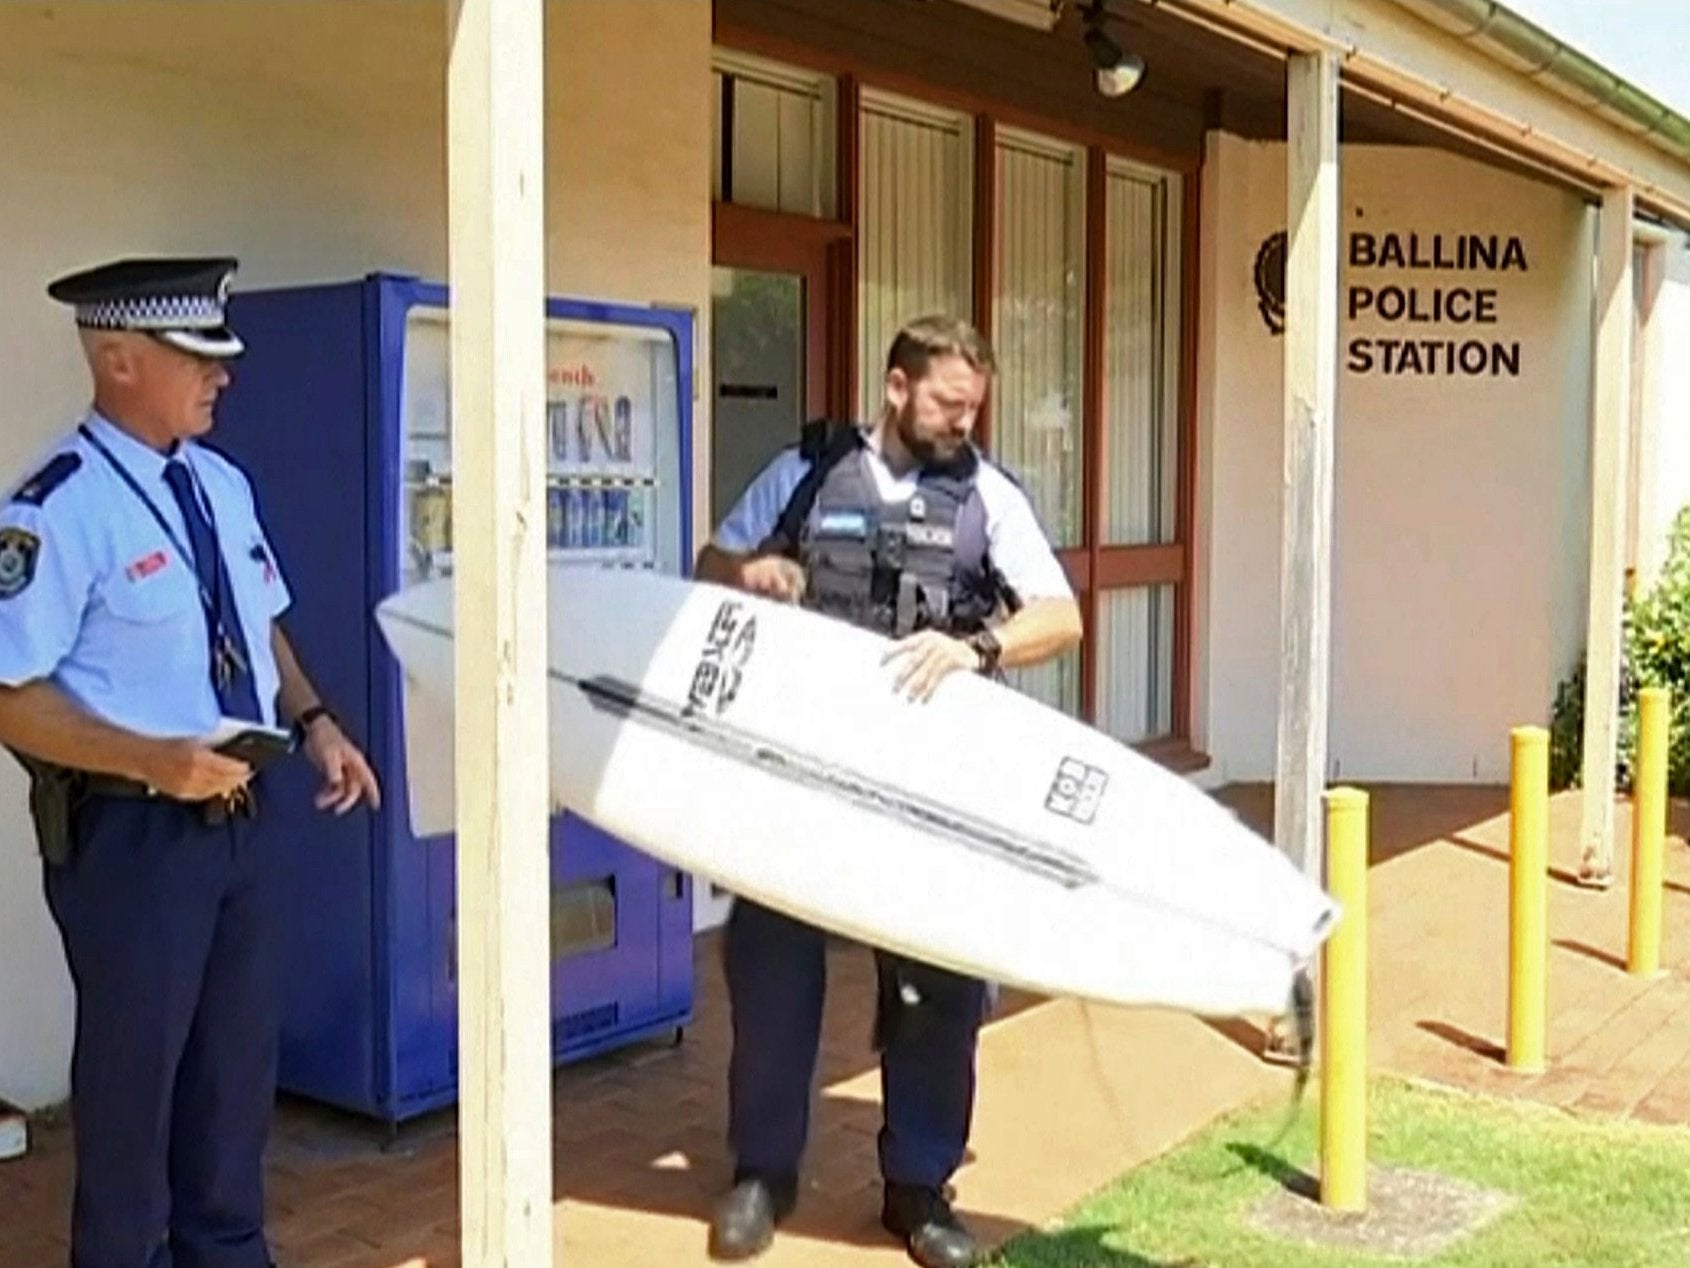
(180, 301)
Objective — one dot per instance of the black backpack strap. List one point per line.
(823, 444)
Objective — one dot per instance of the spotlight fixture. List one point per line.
(1115, 71)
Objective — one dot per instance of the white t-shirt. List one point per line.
(1017, 545)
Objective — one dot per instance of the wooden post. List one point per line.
(1311, 390)
(497, 270)
(1648, 544)
(1611, 424)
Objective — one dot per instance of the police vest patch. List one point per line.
(39, 487)
(18, 552)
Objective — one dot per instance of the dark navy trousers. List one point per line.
(776, 973)
(169, 927)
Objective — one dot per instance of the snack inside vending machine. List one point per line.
(340, 410)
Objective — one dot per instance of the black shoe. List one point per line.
(744, 1222)
(933, 1235)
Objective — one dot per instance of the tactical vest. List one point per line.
(895, 567)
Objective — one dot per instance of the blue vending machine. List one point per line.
(340, 411)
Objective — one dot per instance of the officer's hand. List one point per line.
(928, 657)
(189, 771)
(773, 575)
(347, 777)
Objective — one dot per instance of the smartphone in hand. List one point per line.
(257, 746)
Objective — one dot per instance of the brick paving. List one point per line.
(1069, 1096)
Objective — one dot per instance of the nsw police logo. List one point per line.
(18, 552)
(1076, 790)
(1268, 274)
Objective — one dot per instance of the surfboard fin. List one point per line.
(1302, 1021)
(1302, 1030)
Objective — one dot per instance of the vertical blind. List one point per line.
(772, 138)
(1135, 627)
(915, 252)
(1038, 323)
(1140, 371)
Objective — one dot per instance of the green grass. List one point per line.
(1590, 1194)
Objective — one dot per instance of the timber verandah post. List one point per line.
(496, 271)
(1310, 396)
(1610, 429)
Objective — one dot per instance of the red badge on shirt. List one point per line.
(145, 566)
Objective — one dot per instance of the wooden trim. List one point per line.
(846, 265)
(777, 242)
(1174, 753)
(1092, 465)
(762, 43)
(1118, 567)
(1076, 562)
(781, 238)
(1185, 504)
(985, 247)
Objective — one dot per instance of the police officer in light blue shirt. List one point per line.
(139, 600)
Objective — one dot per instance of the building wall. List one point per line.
(307, 139)
(1460, 523)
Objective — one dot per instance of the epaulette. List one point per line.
(39, 487)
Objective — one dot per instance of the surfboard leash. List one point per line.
(1303, 1035)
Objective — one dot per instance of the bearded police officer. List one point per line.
(904, 528)
(139, 598)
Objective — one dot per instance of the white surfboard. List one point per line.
(763, 746)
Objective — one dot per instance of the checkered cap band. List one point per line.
(168, 312)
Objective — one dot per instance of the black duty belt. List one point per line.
(215, 810)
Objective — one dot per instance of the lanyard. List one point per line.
(225, 645)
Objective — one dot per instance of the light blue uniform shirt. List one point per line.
(108, 610)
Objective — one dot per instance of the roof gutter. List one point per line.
(1529, 50)
(1496, 33)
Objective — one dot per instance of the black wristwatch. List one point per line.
(987, 648)
(306, 717)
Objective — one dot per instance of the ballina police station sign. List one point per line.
(1435, 327)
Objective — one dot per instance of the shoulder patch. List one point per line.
(19, 550)
(39, 487)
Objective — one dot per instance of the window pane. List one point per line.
(1141, 365)
(1056, 682)
(757, 347)
(1038, 314)
(1135, 643)
(777, 155)
(915, 238)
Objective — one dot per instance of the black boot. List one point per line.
(931, 1231)
(744, 1221)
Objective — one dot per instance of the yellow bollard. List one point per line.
(1528, 908)
(1648, 831)
(1343, 1022)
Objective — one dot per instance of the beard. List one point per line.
(928, 451)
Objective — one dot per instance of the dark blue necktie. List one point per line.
(236, 696)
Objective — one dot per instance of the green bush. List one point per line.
(1655, 652)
